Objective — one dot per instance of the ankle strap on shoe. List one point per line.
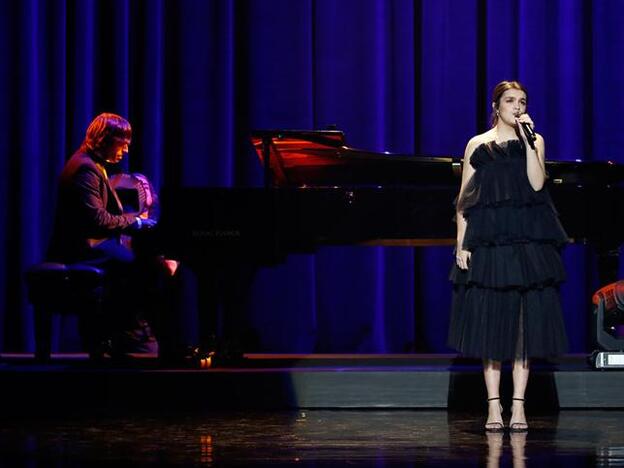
(518, 399)
(494, 398)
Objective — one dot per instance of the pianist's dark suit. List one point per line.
(90, 227)
(89, 217)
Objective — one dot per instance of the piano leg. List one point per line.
(223, 296)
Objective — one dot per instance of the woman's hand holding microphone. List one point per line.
(525, 128)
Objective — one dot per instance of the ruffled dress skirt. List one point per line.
(506, 305)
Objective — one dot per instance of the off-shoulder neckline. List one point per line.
(489, 142)
(504, 142)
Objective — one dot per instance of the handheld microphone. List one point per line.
(529, 132)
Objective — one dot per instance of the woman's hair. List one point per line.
(103, 130)
(499, 89)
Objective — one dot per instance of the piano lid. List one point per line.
(305, 158)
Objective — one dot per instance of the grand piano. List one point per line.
(319, 191)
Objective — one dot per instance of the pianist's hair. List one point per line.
(499, 89)
(104, 129)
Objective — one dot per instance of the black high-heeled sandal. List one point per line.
(518, 426)
(495, 426)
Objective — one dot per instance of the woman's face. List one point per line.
(512, 104)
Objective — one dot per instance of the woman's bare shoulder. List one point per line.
(478, 140)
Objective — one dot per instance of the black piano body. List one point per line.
(319, 191)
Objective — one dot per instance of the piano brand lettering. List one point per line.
(212, 233)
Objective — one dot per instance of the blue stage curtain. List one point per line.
(194, 76)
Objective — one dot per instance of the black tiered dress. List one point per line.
(506, 305)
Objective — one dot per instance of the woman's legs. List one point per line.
(520, 378)
(491, 374)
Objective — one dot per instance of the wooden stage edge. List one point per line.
(71, 384)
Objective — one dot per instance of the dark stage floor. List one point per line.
(303, 410)
(313, 438)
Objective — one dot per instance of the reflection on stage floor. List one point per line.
(312, 438)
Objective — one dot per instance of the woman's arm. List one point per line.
(536, 167)
(463, 256)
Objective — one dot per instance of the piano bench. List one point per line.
(57, 288)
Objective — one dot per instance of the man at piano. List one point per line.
(91, 227)
(508, 264)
